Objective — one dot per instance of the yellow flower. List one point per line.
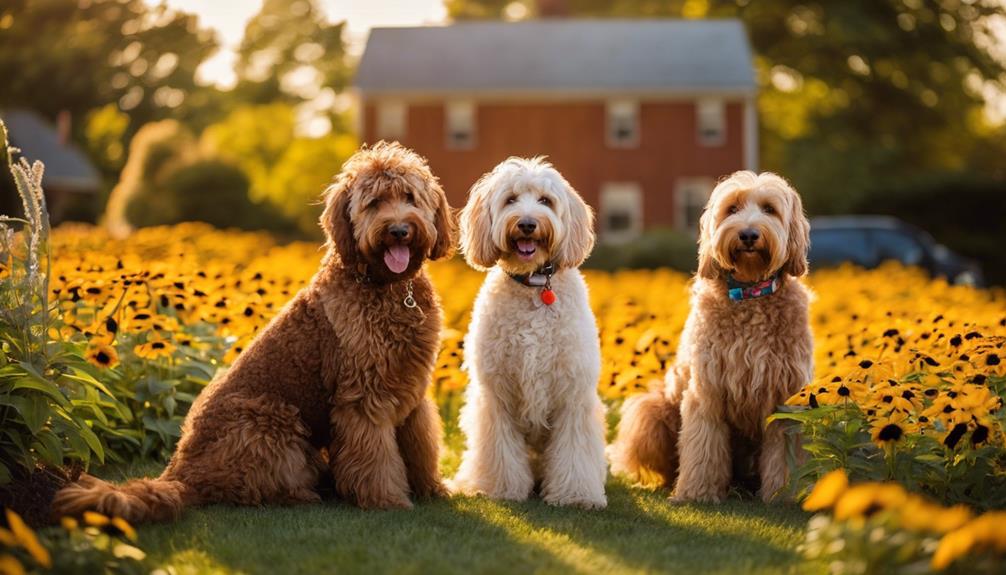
(102, 355)
(95, 519)
(890, 428)
(10, 566)
(921, 515)
(7, 538)
(155, 347)
(69, 523)
(27, 539)
(827, 490)
(952, 546)
(124, 526)
(866, 498)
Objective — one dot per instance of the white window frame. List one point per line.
(622, 115)
(392, 120)
(621, 197)
(711, 122)
(460, 117)
(694, 193)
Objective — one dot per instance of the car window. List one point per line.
(833, 247)
(899, 246)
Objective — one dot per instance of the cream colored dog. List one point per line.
(745, 349)
(532, 412)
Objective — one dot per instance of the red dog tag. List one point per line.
(547, 296)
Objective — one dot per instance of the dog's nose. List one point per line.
(749, 236)
(399, 231)
(527, 226)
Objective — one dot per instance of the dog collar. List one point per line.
(739, 291)
(541, 277)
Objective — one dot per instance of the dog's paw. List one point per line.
(433, 490)
(381, 503)
(581, 501)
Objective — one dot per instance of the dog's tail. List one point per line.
(647, 441)
(136, 501)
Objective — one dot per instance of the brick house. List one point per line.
(641, 116)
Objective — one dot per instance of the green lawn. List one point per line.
(638, 532)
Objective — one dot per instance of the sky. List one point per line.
(228, 18)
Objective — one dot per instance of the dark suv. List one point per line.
(867, 241)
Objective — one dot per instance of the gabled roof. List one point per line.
(559, 57)
(66, 167)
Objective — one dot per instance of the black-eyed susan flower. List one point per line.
(101, 354)
(827, 490)
(155, 347)
(27, 540)
(867, 498)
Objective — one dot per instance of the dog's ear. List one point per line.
(476, 226)
(443, 221)
(336, 222)
(799, 238)
(708, 268)
(579, 239)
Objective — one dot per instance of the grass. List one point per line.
(638, 532)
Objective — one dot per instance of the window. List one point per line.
(461, 125)
(391, 120)
(623, 123)
(691, 198)
(621, 212)
(712, 122)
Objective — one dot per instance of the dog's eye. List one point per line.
(768, 209)
(545, 201)
(372, 204)
(511, 200)
(732, 209)
(410, 198)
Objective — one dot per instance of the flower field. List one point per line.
(909, 381)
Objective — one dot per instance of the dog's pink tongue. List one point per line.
(525, 245)
(397, 258)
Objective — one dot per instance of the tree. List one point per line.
(286, 169)
(80, 55)
(291, 54)
(855, 96)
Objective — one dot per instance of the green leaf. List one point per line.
(45, 386)
(81, 376)
(34, 410)
(5, 475)
(92, 440)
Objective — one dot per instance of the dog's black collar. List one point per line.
(538, 278)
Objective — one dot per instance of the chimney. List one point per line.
(63, 126)
(553, 8)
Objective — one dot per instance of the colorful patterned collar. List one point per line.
(539, 278)
(739, 291)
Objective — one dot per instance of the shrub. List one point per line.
(216, 192)
(658, 248)
(49, 398)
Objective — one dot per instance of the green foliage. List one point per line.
(286, 170)
(960, 471)
(653, 249)
(49, 399)
(99, 545)
(79, 56)
(156, 151)
(215, 192)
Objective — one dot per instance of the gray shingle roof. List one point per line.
(559, 56)
(65, 165)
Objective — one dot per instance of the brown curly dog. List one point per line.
(745, 349)
(343, 367)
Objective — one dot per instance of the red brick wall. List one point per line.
(573, 136)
